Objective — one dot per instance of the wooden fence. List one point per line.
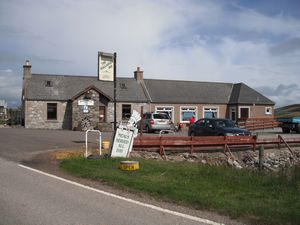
(257, 123)
(191, 144)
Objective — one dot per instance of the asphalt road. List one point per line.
(29, 197)
(17, 144)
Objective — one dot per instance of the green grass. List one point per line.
(252, 196)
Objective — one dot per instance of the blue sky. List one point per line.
(255, 42)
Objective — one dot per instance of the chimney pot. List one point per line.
(27, 70)
(138, 74)
(27, 62)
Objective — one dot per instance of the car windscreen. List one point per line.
(224, 123)
(161, 116)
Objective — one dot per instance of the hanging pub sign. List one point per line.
(106, 66)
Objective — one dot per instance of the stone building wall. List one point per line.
(36, 115)
(92, 116)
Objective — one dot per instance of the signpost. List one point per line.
(107, 71)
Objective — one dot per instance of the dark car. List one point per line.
(216, 127)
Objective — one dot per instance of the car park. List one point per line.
(216, 127)
(152, 122)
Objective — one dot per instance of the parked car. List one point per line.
(216, 127)
(156, 121)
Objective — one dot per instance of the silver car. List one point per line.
(156, 121)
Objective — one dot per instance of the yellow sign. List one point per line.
(106, 66)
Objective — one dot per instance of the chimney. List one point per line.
(27, 70)
(138, 74)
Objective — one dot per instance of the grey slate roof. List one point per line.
(168, 91)
(65, 87)
(243, 94)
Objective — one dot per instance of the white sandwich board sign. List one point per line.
(122, 143)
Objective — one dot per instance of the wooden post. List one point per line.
(141, 121)
(261, 157)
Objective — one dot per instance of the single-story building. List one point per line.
(71, 102)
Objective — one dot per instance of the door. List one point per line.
(232, 113)
(102, 114)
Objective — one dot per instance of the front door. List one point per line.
(102, 114)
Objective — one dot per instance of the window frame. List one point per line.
(163, 109)
(217, 108)
(183, 109)
(268, 110)
(246, 107)
(130, 107)
(55, 106)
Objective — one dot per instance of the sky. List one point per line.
(256, 42)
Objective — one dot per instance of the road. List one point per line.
(30, 197)
(27, 197)
(19, 143)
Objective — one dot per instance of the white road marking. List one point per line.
(198, 219)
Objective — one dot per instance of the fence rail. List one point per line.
(192, 144)
(258, 123)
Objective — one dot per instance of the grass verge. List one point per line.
(251, 196)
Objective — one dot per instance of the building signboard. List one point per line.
(106, 66)
(86, 102)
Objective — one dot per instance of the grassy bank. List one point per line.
(256, 197)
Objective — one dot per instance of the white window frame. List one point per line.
(268, 110)
(188, 107)
(164, 110)
(211, 107)
(241, 107)
(232, 109)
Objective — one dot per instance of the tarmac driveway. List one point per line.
(17, 144)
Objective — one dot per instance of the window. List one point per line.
(165, 109)
(211, 112)
(244, 112)
(126, 112)
(186, 112)
(268, 110)
(51, 111)
(48, 83)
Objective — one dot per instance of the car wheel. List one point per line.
(298, 128)
(286, 130)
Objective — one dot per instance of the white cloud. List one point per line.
(190, 40)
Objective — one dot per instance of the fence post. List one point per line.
(261, 157)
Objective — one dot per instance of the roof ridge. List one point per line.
(189, 81)
(82, 76)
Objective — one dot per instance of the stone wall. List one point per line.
(36, 115)
(274, 160)
(91, 116)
